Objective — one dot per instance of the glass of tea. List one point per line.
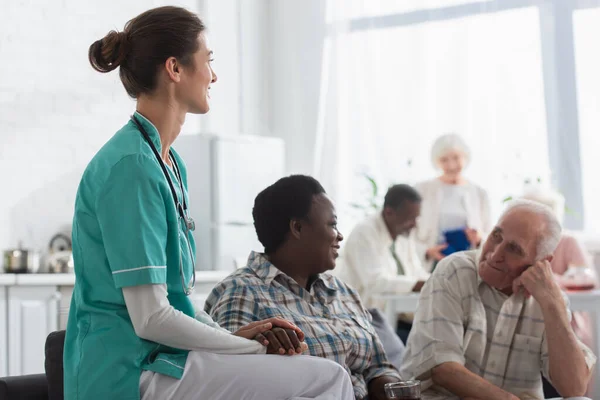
(405, 390)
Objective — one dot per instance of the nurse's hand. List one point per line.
(277, 334)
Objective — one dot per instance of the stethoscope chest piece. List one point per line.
(190, 224)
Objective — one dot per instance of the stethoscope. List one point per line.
(182, 209)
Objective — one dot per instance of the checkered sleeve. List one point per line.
(232, 304)
(438, 329)
(379, 364)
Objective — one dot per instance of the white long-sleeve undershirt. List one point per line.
(154, 319)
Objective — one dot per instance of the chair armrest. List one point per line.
(26, 387)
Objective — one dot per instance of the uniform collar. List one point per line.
(150, 130)
(265, 270)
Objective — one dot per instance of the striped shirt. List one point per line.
(462, 319)
(331, 315)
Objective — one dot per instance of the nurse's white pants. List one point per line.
(209, 376)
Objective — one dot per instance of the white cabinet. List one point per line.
(3, 333)
(34, 305)
(66, 292)
(32, 315)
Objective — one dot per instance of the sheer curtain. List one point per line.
(394, 82)
(587, 61)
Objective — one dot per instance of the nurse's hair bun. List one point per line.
(146, 43)
(109, 52)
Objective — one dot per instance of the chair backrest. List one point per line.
(55, 345)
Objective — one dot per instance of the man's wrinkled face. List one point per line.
(511, 248)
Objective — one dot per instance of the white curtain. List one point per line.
(393, 80)
(587, 62)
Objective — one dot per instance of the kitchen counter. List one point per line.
(202, 277)
(34, 305)
(7, 279)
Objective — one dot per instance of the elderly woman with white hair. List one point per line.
(451, 203)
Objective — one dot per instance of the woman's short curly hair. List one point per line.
(287, 199)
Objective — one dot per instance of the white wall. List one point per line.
(255, 59)
(297, 29)
(237, 31)
(56, 112)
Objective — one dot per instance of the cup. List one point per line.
(404, 390)
(578, 278)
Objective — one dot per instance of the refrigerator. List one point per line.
(224, 175)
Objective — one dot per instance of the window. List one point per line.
(399, 88)
(341, 10)
(587, 63)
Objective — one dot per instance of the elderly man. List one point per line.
(488, 322)
(380, 257)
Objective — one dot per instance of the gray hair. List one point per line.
(447, 142)
(548, 197)
(552, 230)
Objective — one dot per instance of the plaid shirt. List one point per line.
(331, 315)
(462, 319)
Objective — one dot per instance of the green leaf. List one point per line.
(356, 205)
(572, 213)
(506, 199)
(374, 187)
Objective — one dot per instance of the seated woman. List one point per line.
(297, 224)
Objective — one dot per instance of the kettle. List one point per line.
(60, 254)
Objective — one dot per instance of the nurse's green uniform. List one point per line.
(126, 232)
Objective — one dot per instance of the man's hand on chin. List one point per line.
(376, 387)
(538, 281)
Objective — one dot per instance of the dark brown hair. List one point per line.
(147, 41)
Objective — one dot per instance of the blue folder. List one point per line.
(457, 241)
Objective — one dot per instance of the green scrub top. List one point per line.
(126, 232)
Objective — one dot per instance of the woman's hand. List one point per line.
(277, 334)
(435, 252)
(473, 236)
(376, 387)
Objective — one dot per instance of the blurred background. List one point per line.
(353, 88)
(353, 92)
